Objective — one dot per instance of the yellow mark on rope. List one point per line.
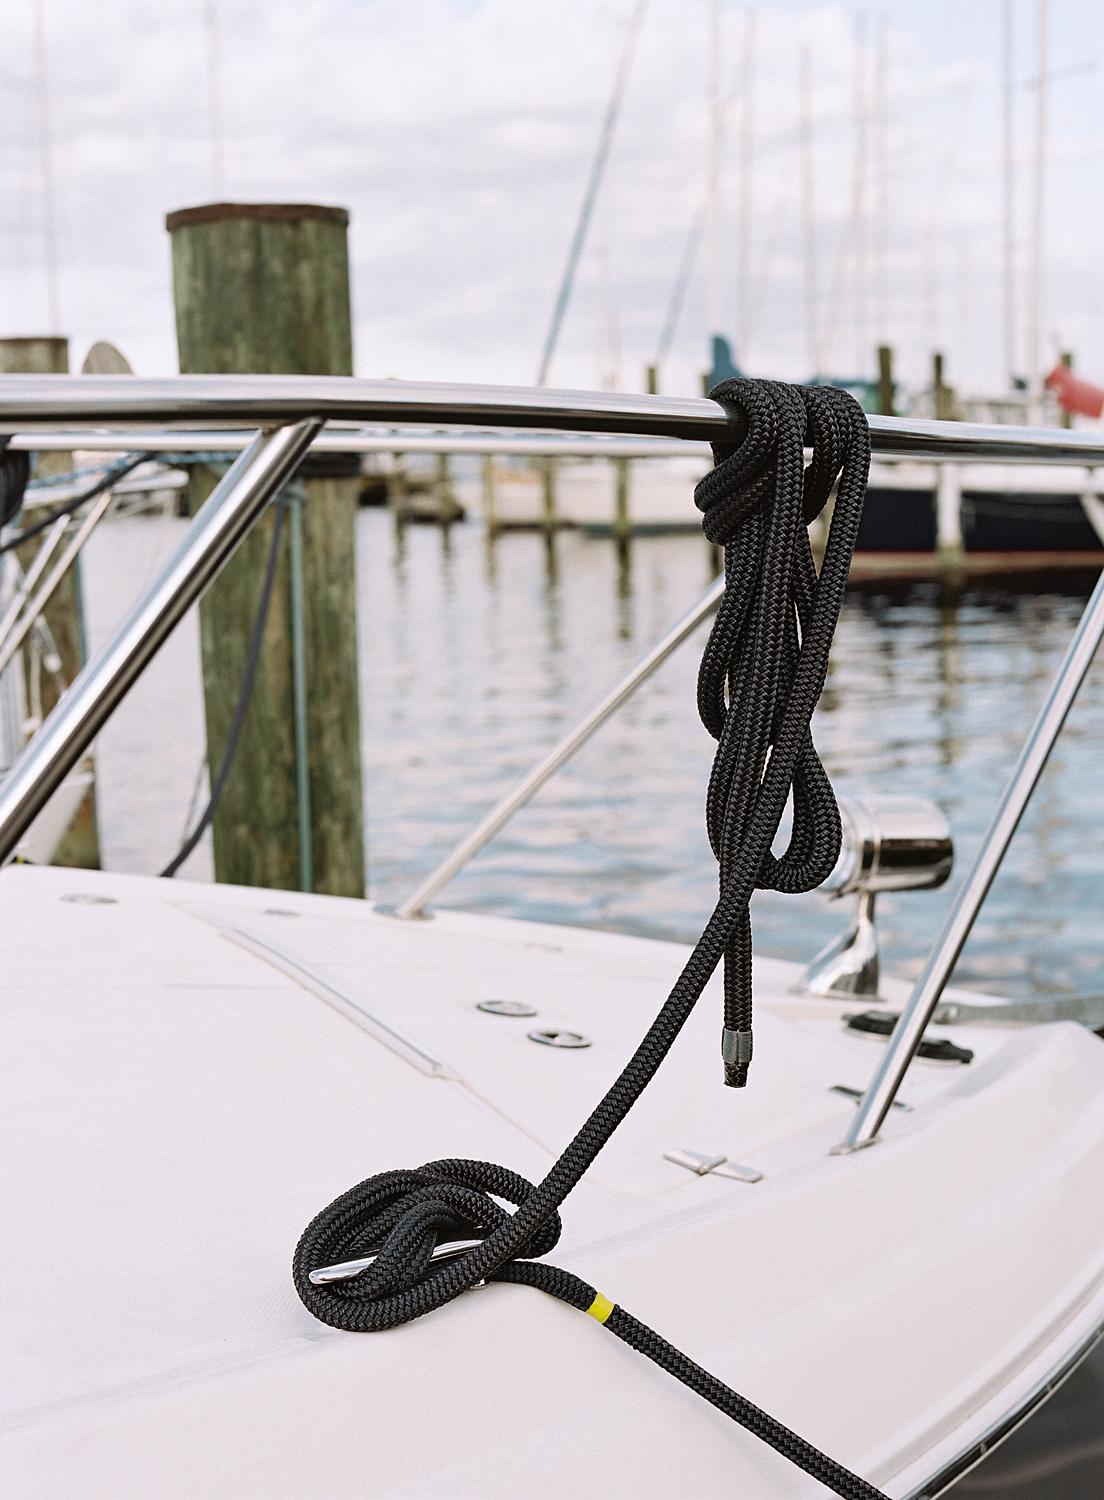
(600, 1308)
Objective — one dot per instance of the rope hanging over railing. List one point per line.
(761, 677)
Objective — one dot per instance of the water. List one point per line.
(474, 659)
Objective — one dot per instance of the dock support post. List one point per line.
(948, 480)
(490, 507)
(548, 496)
(948, 514)
(443, 487)
(622, 521)
(942, 394)
(63, 616)
(397, 488)
(264, 289)
(1066, 357)
(885, 381)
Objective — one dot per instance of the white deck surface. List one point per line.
(176, 1108)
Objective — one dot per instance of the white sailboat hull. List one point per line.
(191, 1072)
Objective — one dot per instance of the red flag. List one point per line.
(1074, 394)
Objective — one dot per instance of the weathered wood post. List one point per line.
(948, 481)
(885, 380)
(490, 500)
(548, 496)
(264, 289)
(942, 394)
(948, 514)
(446, 505)
(397, 489)
(651, 379)
(1066, 358)
(622, 521)
(63, 616)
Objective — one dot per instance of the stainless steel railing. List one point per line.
(291, 413)
(354, 438)
(29, 403)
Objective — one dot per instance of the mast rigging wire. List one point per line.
(594, 183)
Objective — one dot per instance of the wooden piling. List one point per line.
(1066, 357)
(443, 491)
(651, 379)
(549, 520)
(622, 521)
(397, 489)
(948, 481)
(943, 402)
(885, 380)
(490, 501)
(948, 515)
(63, 616)
(264, 289)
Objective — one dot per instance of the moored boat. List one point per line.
(194, 1070)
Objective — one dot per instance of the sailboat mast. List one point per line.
(214, 100)
(747, 156)
(1008, 122)
(808, 211)
(1035, 372)
(880, 113)
(594, 182)
(46, 168)
(859, 191)
(716, 154)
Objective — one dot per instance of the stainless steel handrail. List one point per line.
(365, 440)
(254, 400)
(29, 402)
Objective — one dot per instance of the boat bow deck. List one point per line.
(191, 1072)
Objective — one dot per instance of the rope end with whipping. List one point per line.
(736, 1047)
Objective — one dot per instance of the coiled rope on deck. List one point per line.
(761, 676)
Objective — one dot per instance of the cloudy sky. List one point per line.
(459, 133)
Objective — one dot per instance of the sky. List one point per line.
(460, 133)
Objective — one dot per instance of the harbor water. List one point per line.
(475, 656)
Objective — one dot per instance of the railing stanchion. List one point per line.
(547, 767)
(235, 504)
(909, 1030)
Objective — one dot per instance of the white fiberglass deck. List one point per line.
(177, 1105)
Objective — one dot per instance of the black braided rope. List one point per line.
(761, 676)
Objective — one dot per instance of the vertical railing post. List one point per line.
(64, 614)
(914, 1019)
(236, 503)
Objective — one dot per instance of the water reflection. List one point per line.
(931, 691)
(477, 655)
